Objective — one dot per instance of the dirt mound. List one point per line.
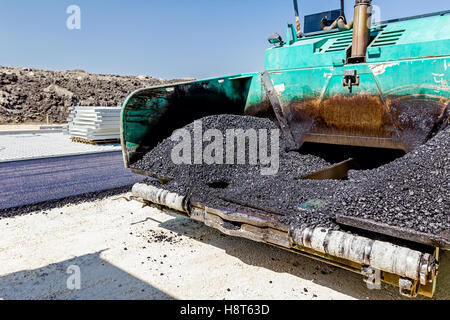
(33, 95)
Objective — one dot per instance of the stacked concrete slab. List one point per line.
(94, 123)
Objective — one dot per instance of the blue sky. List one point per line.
(167, 39)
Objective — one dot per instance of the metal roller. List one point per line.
(160, 196)
(411, 266)
(379, 255)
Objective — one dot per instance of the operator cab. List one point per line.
(316, 22)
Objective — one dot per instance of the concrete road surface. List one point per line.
(116, 249)
(42, 144)
(33, 181)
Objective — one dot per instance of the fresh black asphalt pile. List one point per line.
(410, 192)
(243, 186)
(186, 176)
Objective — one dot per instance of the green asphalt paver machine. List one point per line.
(333, 83)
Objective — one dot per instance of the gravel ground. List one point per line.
(125, 251)
(40, 95)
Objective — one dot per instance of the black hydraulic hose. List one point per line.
(297, 19)
(296, 8)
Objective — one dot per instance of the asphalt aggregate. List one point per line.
(409, 192)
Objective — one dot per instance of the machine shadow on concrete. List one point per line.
(99, 280)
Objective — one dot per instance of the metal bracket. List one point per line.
(428, 269)
(276, 106)
(372, 277)
(351, 78)
(408, 287)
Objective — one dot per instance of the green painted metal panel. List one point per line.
(151, 114)
(405, 77)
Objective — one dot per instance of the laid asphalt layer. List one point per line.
(35, 181)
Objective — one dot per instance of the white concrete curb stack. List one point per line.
(94, 123)
(70, 119)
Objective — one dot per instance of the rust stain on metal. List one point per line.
(358, 115)
(142, 97)
(400, 122)
(261, 110)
